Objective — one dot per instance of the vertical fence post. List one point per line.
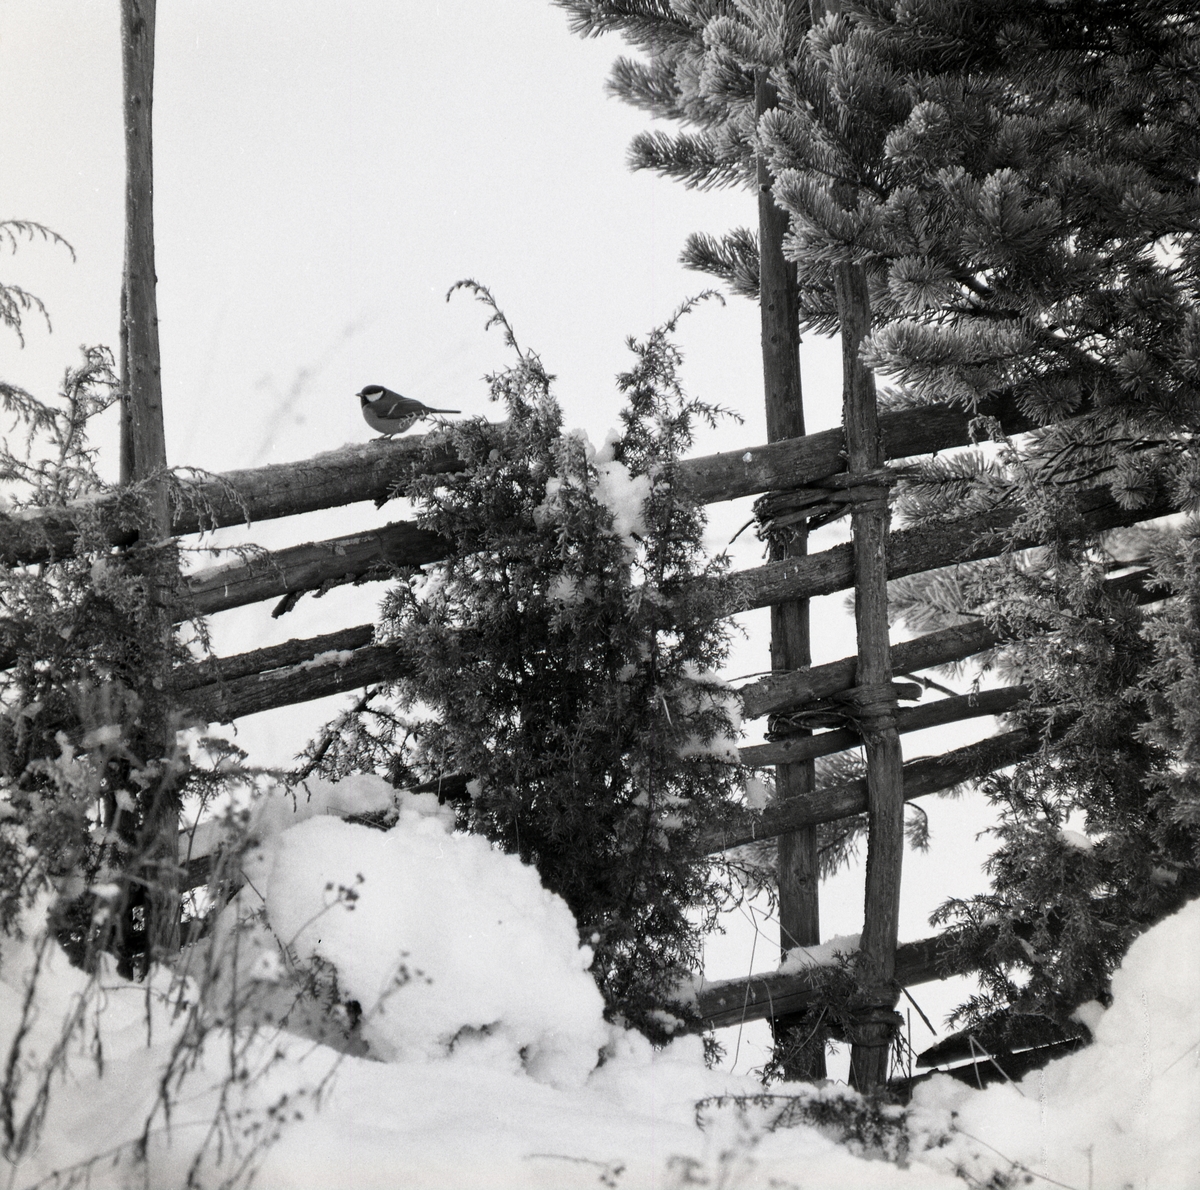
(799, 914)
(875, 1015)
(154, 887)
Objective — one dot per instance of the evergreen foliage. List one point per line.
(77, 789)
(1098, 835)
(564, 657)
(1019, 181)
(16, 302)
(73, 641)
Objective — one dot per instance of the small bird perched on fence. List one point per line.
(390, 413)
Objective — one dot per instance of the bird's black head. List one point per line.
(370, 392)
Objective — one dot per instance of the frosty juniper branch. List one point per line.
(566, 653)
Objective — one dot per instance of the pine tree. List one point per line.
(1018, 180)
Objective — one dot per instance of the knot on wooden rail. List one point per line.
(783, 513)
(872, 708)
(872, 1026)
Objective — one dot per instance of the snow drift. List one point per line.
(467, 1048)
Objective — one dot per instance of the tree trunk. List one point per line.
(357, 557)
(226, 701)
(771, 695)
(216, 670)
(875, 1015)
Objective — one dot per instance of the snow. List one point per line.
(624, 495)
(446, 944)
(338, 657)
(758, 796)
(464, 1040)
(1075, 839)
(712, 692)
(825, 955)
(272, 807)
(1123, 1112)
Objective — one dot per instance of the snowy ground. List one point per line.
(461, 1050)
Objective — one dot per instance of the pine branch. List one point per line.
(733, 258)
(698, 160)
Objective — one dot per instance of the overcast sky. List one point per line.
(323, 174)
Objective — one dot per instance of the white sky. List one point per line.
(324, 173)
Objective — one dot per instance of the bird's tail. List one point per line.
(443, 411)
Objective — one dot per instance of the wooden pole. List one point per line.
(154, 881)
(144, 441)
(876, 1018)
(799, 876)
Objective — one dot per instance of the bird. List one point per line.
(390, 413)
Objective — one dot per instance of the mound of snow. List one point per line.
(443, 942)
(474, 992)
(1123, 1112)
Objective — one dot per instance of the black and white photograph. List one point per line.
(600, 595)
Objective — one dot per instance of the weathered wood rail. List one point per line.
(369, 471)
(362, 557)
(737, 1001)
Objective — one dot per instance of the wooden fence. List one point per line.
(228, 688)
(809, 475)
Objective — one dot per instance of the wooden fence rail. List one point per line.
(369, 471)
(362, 557)
(228, 688)
(739, 1001)
(930, 774)
(936, 713)
(777, 693)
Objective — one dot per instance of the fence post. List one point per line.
(799, 886)
(876, 713)
(154, 886)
